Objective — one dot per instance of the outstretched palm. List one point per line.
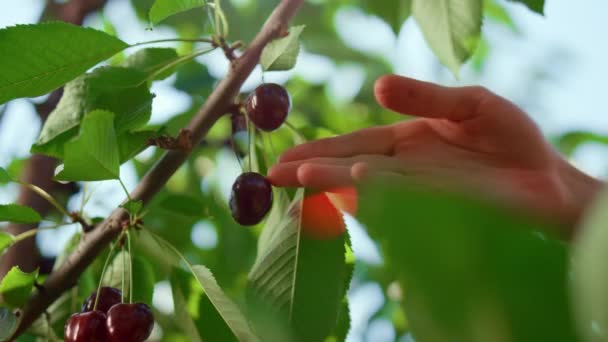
(466, 138)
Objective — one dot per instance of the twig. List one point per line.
(215, 106)
(182, 142)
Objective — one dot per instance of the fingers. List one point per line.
(375, 140)
(328, 173)
(323, 177)
(286, 174)
(413, 97)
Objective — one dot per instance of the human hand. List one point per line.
(465, 138)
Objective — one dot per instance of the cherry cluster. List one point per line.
(267, 108)
(111, 321)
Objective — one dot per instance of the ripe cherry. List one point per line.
(130, 322)
(251, 198)
(86, 327)
(108, 297)
(268, 106)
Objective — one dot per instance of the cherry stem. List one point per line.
(295, 130)
(234, 150)
(130, 267)
(264, 136)
(103, 271)
(249, 142)
(124, 269)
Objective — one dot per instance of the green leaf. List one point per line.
(225, 307)
(93, 155)
(394, 12)
(4, 176)
(497, 12)
(115, 89)
(6, 240)
(537, 6)
(8, 323)
(133, 207)
(472, 272)
(39, 58)
(194, 78)
(184, 205)
(152, 61)
(18, 214)
(282, 53)
(287, 270)
(478, 61)
(183, 317)
(163, 9)
(220, 303)
(590, 274)
(452, 28)
(143, 280)
(17, 286)
(570, 141)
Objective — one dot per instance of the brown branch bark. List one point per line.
(222, 97)
(39, 170)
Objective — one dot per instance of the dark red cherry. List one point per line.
(108, 297)
(268, 106)
(86, 327)
(130, 322)
(251, 198)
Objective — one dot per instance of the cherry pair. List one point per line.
(112, 321)
(251, 198)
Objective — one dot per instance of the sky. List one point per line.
(567, 47)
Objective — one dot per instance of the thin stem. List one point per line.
(173, 249)
(124, 269)
(89, 196)
(216, 12)
(103, 272)
(192, 40)
(234, 149)
(264, 136)
(249, 143)
(295, 130)
(124, 188)
(33, 232)
(210, 16)
(130, 267)
(83, 201)
(272, 149)
(46, 196)
(175, 62)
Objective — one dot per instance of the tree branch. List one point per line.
(222, 97)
